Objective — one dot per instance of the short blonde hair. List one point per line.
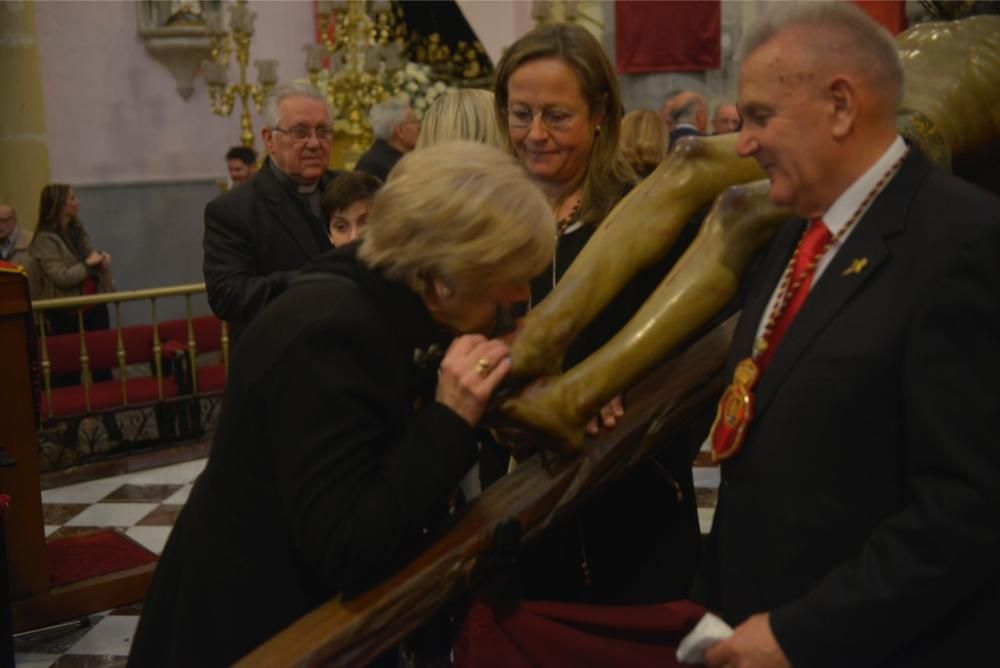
(461, 114)
(644, 140)
(463, 213)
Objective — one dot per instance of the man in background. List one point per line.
(258, 236)
(14, 240)
(242, 164)
(726, 118)
(667, 107)
(396, 129)
(688, 116)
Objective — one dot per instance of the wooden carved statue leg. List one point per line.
(637, 232)
(701, 283)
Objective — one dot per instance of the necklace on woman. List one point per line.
(565, 225)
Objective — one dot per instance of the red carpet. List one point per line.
(82, 557)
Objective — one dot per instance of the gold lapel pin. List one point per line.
(857, 265)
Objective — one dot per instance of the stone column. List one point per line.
(24, 165)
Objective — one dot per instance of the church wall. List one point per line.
(497, 23)
(646, 91)
(144, 161)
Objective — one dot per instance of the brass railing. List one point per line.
(117, 299)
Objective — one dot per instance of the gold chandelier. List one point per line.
(223, 43)
(364, 60)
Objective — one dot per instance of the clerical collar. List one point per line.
(844, 207)
(285, 179)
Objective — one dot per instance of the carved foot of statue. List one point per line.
(551, 407)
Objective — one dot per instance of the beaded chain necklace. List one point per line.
(561, 227)
(736, 406)
(789, 285)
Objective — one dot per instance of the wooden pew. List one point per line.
(35, 604)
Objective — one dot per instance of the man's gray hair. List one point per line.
(669, 97)
(386, 116)
(269, 110)
(850, 37)
(686, 112)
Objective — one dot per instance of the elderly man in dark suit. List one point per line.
(396, 129)
(858, 512)
(260, 233)
(688, 116)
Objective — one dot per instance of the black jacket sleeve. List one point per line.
(237, 290)
(358, 487)
(923, 563)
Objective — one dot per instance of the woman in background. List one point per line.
(461, 114)
(346, 205)
(644, 140)
(68, 266)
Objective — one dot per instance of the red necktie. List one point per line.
(813, 243)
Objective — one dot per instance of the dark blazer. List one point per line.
(639, 536)
(680, 133)
(863, 510)
(330, 457)
(257, 236)
(379, 159)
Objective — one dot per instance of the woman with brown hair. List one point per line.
(68, 266)
(644, 140)
(346, 205)
(559, 109)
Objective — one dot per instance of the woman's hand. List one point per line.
(105, 260)
(470, 371)
(608, 417)
(93, 259)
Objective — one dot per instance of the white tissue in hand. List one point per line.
(706, 633)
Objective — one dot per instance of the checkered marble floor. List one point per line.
(141, 505)
(144, 506)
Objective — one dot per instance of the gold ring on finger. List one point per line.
(483, 366)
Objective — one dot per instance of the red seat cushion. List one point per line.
(211, 378)
(106, 395)
(102, 348)
(207, 332)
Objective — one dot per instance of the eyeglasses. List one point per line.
(553, 119)
(303, 133)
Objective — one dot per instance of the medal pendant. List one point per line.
(734, 412)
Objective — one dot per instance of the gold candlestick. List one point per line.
(223, 95)
(365, 60)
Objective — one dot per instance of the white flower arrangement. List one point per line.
(417, 85)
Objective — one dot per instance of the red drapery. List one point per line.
(552, 635)
(684, 35)
(890, 13)
(681, 36)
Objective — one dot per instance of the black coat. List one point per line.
(639, 535)
(257, 236)
(680, 133)
(863, 509)
(329, 459)
(379, 159)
